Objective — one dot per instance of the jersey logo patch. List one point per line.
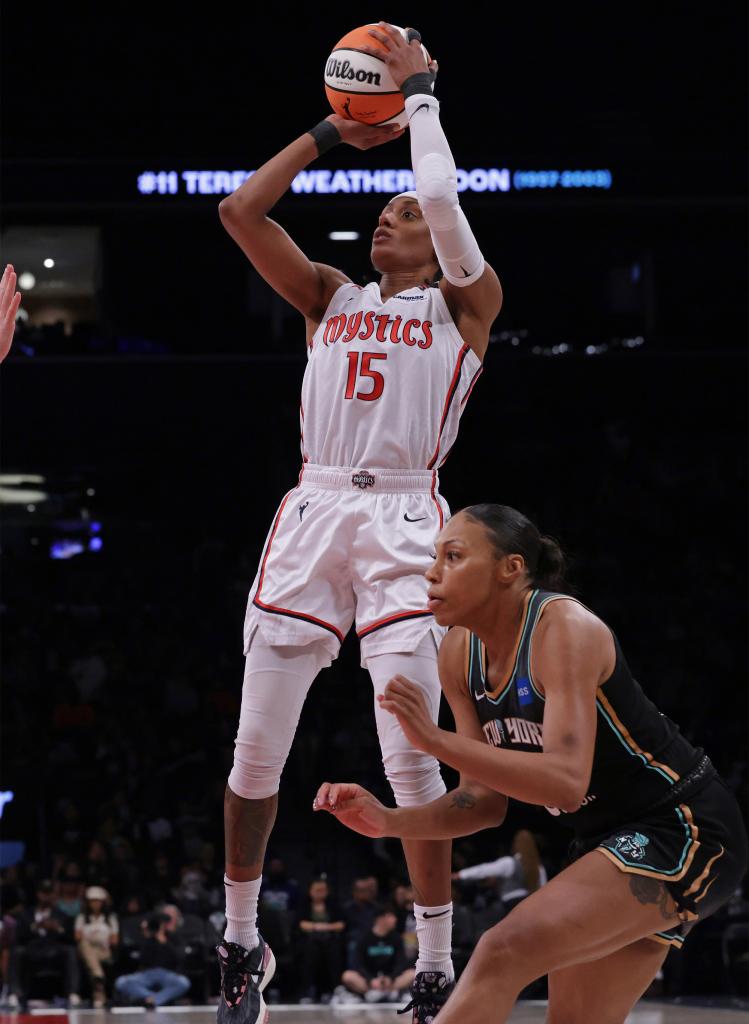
(363, 480)
(632, 845)
(525, 695)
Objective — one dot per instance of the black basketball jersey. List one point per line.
(639, 753)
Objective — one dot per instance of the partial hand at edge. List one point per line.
(356, 808)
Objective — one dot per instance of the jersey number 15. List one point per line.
(354, 371)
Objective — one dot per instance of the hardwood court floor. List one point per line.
(531, 1012)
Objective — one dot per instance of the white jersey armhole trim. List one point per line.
(471, 359)
(333, 297)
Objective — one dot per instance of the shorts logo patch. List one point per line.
(363, 480)
(301, 510)
(632, 845)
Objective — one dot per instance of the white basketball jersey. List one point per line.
(386, 381)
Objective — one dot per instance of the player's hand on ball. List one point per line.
(403, 59)
(354, 807)
(364, 136)
(406, 701)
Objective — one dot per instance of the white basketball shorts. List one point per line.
(350, 545)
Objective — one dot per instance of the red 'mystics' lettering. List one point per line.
(334, 328)
(391, 329)
(354, 323)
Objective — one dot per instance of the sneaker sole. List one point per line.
(270, 970)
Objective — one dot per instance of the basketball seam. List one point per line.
(354, 92)
(351, 49)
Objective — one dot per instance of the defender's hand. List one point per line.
(405, 700)
(355, 807)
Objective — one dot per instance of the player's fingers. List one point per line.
(413, 35)
(400, 684)
(321, 799)
(386, 41)
(374, 51)
(341, 792)
(393, 34)
(384, 131)
(9, 288)
(391, 706)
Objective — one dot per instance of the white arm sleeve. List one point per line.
(437, 190)
(502, 868)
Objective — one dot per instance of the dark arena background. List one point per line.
(150, 408)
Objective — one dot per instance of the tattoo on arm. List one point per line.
(648, 890)
(463, 799)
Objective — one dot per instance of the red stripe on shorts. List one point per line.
(389, 620)
(297, 615)
(434, 497)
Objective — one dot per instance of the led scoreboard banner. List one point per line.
(66, 183)
(357, 181)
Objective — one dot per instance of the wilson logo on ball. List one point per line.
(359, 85)
(343, 70)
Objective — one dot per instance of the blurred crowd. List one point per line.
(146, 937)
(122, 670)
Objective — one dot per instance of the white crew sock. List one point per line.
(241, 912)
(434, 926)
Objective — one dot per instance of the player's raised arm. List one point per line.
(470, 286)
(306, 285)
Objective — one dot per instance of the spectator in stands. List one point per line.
(359, 914)
(519, 874)
(96, 864)
(191, 895)
(360, 911)
(97, 934)
(44, 938)
(403, 903)
(321, 927)
(174, 921)
(379, 971)
(278, 890)
(159, 980)
(69, 900)
(160, 880)
(7, 942)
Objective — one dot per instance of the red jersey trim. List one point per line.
(448, 401)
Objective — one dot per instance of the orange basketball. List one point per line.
(358, 85)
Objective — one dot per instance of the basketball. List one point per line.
(360, 86)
